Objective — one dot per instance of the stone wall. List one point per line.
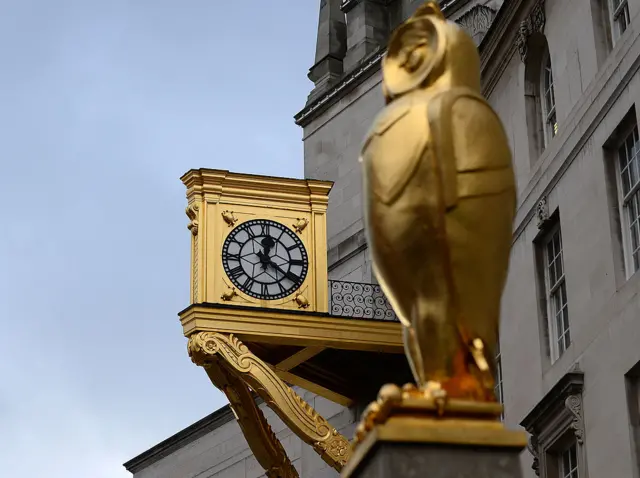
(224, 452)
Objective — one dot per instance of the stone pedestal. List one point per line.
(396, 460)
(437, 448)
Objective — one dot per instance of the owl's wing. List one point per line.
(473, 151)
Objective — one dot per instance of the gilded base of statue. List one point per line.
(410, 434)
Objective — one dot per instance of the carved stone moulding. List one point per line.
(476, 21)
(542, 213)
(558, 413)
(533, 23)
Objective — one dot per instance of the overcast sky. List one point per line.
(104, 104)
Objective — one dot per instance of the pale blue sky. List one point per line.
(104, 104)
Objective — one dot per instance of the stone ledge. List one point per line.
(346, 249)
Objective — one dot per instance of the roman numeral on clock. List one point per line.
(232, 257)
(236, 272)
(248, 283)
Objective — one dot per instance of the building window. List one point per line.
(569, 462)
(556, 426)
(633, 404)
(628, 169)
(548, 100)
(556, 293)
(620, 17)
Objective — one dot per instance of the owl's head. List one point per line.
(427, 50)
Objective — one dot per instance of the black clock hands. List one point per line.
(267, 242)
(292, 277)
(264, 259)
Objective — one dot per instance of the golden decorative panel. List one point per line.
(223, 204)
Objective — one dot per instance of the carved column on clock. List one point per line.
(202, 203)
(319, 203)
(193, 212)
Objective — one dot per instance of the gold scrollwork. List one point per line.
(313, 429)
(192, 214)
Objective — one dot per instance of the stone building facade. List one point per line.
(563, 76)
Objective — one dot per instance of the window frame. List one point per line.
(572, 458)
(550, 291)
(548, 105)
(618, 13)
(624, 199)
(632, 381)
(555, 424)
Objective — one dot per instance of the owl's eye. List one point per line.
(415, 59)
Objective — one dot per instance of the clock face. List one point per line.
(265, 259)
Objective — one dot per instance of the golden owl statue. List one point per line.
(439, 205)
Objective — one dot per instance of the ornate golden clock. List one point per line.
(258, 241)
(259, 320)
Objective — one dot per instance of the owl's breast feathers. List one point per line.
(394, 146)
(463, 132)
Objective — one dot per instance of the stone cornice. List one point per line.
(559, 411)
(570, 384)
(352, 79)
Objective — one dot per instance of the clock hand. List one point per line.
(292, 277)
(267, 242)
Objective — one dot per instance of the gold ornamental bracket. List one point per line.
(263, 442)
(341, 359)
(210, 350)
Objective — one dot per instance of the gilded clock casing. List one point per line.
(219, 201)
